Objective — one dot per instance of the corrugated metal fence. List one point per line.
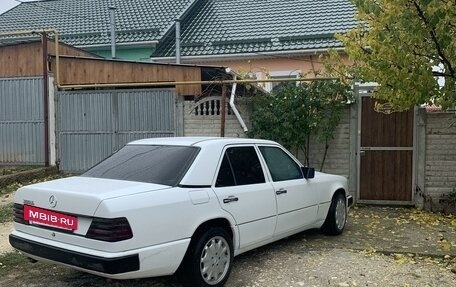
(21, 121)
(93, 124)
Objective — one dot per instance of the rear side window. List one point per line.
(146, 163)
(240, 166)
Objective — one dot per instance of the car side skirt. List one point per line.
(99, 264)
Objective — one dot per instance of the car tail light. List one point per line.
(110, 229)
(18, 214)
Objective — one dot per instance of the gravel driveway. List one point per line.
(381, 246)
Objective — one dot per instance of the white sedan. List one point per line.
(176, 205)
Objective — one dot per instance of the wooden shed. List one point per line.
(77, 67)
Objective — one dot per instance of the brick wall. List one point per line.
(203, 118)
(440, 158)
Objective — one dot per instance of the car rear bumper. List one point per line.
(152, 261)
(114, 265)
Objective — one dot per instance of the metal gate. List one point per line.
(386, 153)
(21, 121)
(94, 124)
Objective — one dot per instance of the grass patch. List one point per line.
(15, 186)
(6, 170)
(10, 188)
(6, 213)
(12, 261)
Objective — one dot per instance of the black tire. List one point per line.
(197, 266)
(337, 215)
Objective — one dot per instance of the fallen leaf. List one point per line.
(399, 258)
(446, 247)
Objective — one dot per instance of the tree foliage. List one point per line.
(298, 112)
(399, 44)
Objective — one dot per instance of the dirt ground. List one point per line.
(5, 230)
(6, 198)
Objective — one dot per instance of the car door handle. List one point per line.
(230, 199)
(281, 191)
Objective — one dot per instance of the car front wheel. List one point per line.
(337, 216)
(209, 260)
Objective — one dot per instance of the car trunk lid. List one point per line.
(79, 195)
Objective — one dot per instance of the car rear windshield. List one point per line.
(146, 163)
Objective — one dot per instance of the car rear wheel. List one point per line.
(337, 216)
(209, 260)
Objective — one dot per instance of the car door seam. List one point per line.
(294, 210)
(247, 222)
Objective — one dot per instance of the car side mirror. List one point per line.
(308, 172)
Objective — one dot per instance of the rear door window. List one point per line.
(240, 166)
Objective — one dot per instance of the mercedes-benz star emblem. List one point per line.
(52, 201)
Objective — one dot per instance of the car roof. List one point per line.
(199, 141)
(204, 167)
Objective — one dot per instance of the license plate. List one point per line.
(50, 218)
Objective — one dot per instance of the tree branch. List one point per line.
(433, 35)
(430, 57)
(366, 50)
(440, 74)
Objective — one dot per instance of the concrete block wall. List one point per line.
(209, 124)
(440, 158)
(338, 157)
(436, 148)
(337, 160)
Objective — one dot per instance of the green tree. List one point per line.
(297, 112)
(398, 44)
